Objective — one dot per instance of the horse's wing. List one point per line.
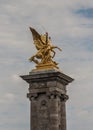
(37, 39)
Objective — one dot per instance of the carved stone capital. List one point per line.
(32, 96)
(64, 97)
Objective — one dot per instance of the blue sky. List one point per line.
(87, 12)
(70, 25)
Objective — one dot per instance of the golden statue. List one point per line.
(45, 54)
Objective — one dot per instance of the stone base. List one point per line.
(47, 93)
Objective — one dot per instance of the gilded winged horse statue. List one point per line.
(45, 49)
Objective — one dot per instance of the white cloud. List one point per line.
(7, 98)
(15, 77)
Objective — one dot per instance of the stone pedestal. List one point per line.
(47, 94)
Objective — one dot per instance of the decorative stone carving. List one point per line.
(43, 112)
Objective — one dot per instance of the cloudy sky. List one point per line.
(70, 25)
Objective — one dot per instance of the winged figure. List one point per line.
(45, 49)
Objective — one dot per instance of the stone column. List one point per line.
(47, 94)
